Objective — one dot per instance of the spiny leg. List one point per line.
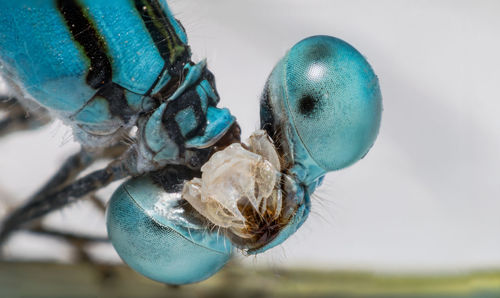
(73, 166)
(78, 241)
(63, 189)
(66, 195)
(69, 170)
(81, 242)
(17, 118)
(67, 173)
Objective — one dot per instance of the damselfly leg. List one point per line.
(64, 187)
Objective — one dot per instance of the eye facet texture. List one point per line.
(155, 235)
(331, 99)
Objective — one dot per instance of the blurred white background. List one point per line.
(427, 196)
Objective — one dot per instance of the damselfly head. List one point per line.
(322, 105)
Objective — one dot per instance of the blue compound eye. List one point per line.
(157, 236)
(325, 96)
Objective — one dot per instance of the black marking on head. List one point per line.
(169, 45)
(118, 104)
(85, 33)
(308, 105)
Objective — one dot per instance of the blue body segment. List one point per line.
(136, 62)
(161, 147)
(52, 70)
(155, 237)
(95, 112)
(99, 64)
(218, 120)
(179, 31)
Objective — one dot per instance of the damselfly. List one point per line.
(121, 70)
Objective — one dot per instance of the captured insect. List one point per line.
(121, 70)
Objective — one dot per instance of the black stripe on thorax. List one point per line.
(85, 33)
(169, 45)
